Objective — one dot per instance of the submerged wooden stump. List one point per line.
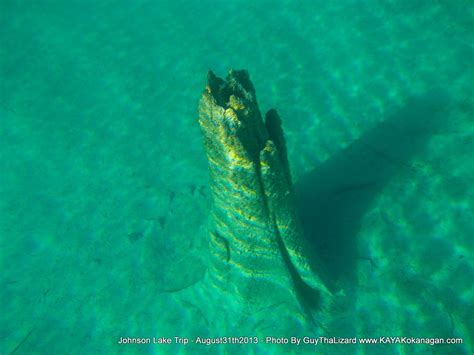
(258, 253)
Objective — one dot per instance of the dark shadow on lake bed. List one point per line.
(333, 198)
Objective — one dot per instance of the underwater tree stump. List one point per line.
(258, 254)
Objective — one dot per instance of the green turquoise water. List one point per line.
(104, 186)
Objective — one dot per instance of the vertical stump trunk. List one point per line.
(258, 253)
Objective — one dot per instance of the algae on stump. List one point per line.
(256, 242)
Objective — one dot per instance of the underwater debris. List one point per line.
(162, 221)
(256, 244)
(135, 236)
